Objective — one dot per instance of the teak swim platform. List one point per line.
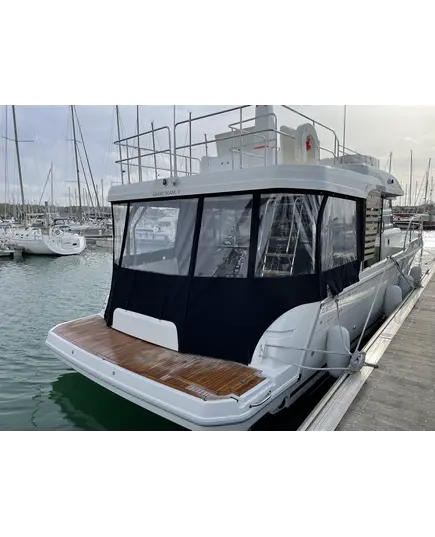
(201, 377)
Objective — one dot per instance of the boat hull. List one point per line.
(292, 365)
(47, 245)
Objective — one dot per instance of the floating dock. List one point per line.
(11, 252)
(6, 253)
(400, 394)
(104, 243)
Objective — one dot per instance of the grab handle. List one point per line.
(268, 396)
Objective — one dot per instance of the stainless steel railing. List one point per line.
(171, 153)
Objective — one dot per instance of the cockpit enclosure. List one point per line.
(224, 267)
(222, 232)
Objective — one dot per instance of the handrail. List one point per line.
(190, 121)
(412, 220)
(237, 135)
(272, 114)
(163, 152)
(336, 143)
(135, 137)
(153, 152)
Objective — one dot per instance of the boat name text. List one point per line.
(166, 193)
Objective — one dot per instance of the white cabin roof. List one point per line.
(353, 180)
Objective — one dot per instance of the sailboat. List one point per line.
(48, 240)
(280, 262)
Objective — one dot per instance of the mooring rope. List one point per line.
(357, 358)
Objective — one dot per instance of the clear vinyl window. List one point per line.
(160, 236)
(287, 235)
(339, 233)
(225, 236)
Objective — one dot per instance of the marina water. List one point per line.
(37, 391)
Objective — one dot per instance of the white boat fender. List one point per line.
(337, 347)
(417, 274)
(392, 299)
(406, 284)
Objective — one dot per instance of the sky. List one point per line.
(46, 134)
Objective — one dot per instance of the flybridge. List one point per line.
(249, 136)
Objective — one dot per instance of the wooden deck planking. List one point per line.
(400, 395)
(201, 377)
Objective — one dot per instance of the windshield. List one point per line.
(238, 236)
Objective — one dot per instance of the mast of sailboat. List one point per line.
(52, 189)
(77, 164)
(138, 143)
(344, 130)
(87, 196)
(410, 183)
(118, 125)
(20, 176)
(88, 163)
(49, 175)
(6, 158)
(427, 184)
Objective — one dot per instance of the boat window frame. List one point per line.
(141, 206)
(247, 194)
(357, 232)
(126, 222)
(256, 194)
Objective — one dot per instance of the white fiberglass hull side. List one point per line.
(66, 246)
(286, 342)
(47, 245)
(32, 246)
(297, 339)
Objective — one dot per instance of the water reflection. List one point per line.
(89, 406)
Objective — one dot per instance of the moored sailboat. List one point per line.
(48, 240)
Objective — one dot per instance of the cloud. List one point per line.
(374, 130)
(412, 140)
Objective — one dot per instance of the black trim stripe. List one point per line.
(124, 236)
(273, 190)
(255, 227)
